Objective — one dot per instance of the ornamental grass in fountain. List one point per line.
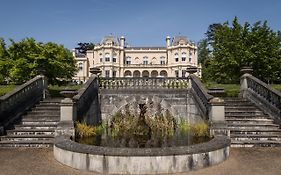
(139, 130)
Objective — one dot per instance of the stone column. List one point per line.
(67, 115)
(190, 71)
(217, 117)
(245, 71)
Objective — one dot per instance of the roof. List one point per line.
(179, 39)
(110, 38)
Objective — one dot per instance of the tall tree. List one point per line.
(235, 46)
(4, 62)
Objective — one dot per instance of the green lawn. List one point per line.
(55, 90)
(276, 86)
(231, 90)
(4, 89)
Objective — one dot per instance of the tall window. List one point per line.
(107, 72)
(145, 60)
(114, 58)
(128, 60)
(183, 72)
(162, 60)
(80, 66)
(177, 73)
(183, 56)
(101, 57)
(107, 57)
(176, 57)
(190, 56)
(114, 73)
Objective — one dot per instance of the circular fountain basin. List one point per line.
(167, 160)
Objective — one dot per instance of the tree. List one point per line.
(29, 56)
(235, 46)
(4, 62)
(83, 47)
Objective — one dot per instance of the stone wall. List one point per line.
(141, 160)
(177, 101)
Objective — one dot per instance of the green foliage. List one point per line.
(277, 86)
(236, 45)
(184, 127)
(4, 89)
(23, 60)
(84, 130)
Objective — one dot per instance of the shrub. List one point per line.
(200, 129)
(184, 127)
(84, 130)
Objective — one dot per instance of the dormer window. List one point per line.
(183, 56)
(162, 60)
(107, 57)
(145, 60)
(176, 56)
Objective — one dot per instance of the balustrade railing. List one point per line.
(261, 93)
(200, 94)
(22, 98)
(144, 83)
(87, 94)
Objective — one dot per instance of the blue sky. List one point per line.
(142, 22)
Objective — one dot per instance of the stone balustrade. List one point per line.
(22, 98)
(262, 95)
(144, 83)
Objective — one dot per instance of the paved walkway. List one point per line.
(242, 161)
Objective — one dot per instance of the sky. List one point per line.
(142, 22)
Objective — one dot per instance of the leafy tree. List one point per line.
(83, 47)
(235, 46)
(28, 57)
(4, 62)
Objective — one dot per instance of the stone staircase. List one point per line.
(36, 128)
(249, 126)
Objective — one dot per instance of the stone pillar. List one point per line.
(122, 41)
(245, 71)
(190, 71)
(168, 41)
(217, 117)
(67, 115)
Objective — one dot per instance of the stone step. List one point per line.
(245, 104)
(29, 143)
(242, 137)
(261, 131)
(41, 118)
(44, 108)
(36, 122)
(245, 116)
(244, 113)
(252, 126)
(27, 137)
(30, 132)
(43, 112)
(37, 126)
(255, 143)
(249, 120)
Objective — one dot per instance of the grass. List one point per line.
(231, 90)
(276, 86)
(4, 89)
(55, 90)
(84, 130)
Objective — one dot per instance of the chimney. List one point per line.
(168, 41)
(122, 41)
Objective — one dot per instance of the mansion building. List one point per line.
(116, 59)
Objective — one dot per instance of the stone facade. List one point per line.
(117, 59)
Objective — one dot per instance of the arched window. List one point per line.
(107, 57)
(127, 73)
(145, 60)
(176, 56)
(183, 56)
(80, 66)
(162, 60)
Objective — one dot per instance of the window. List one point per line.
(190, 56)
(80, 66)
(128, 60)
(101, 57)
(101, 60)
(176, 57)
(107, 57)
(177, 73)
(162, 60)
(183, 56)
(114, 59)
(114, 73)
(145, 60)
(107, 72)
(183, 72)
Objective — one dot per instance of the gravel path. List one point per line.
(242, 161)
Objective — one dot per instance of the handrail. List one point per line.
(200, 94)
(22, 98)
(87, 94)
(144, 83)
(256, 90)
